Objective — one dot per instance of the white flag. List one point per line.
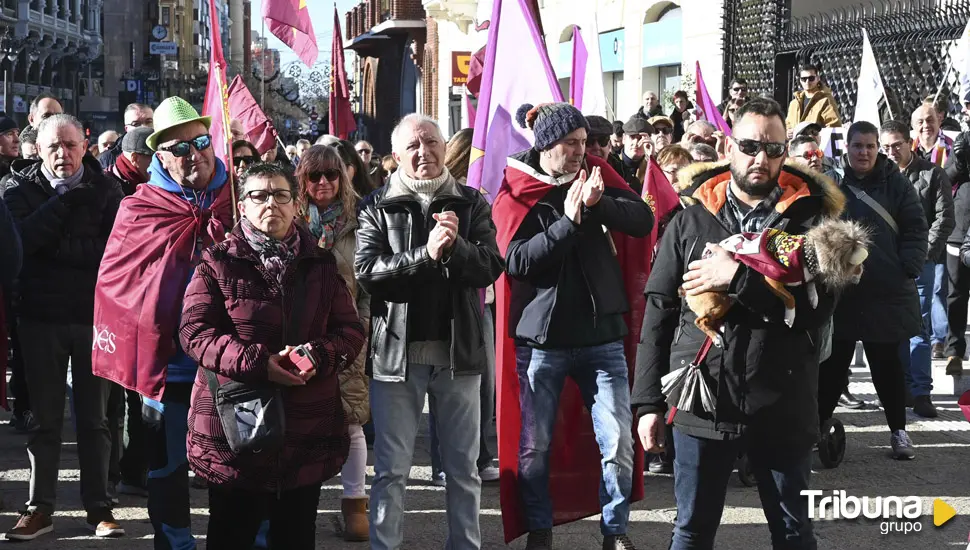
(961, 62)
(594, 91)
(871, 90)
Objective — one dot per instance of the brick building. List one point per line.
(389, 37)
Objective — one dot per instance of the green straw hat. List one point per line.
(173, 112)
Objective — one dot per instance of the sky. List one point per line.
(321, 11)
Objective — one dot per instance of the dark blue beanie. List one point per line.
(550, 122)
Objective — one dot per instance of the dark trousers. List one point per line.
(18, 379)
(956, 306)
(235, 517)
(166, 425)
(886, 367)
(134, 465)
(702, 468)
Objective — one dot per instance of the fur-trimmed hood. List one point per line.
(707, 183)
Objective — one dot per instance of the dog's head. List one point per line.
(841, 247)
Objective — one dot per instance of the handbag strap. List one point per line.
(874, 204)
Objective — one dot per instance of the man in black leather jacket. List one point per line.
(425, 249)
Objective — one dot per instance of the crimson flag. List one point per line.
(289, 20)
(341, 116)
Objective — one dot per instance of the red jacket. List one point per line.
(232, 321)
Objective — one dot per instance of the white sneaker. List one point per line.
(489, 473)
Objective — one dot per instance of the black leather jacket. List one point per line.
(393, 265)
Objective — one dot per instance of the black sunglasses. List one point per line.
(364, 151)
(332, 174)
(752, 147)
(183, 148)
(810, 78)
(740, 89)
(602, 141)
(260, 196)
(664, 130)
(249, 160)
(695, 139)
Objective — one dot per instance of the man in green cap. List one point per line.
(161, 230)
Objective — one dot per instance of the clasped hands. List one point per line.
(587, 190)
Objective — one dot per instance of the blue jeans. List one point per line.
(702, 468)
(601, 374)
(919, 367)
(941, 324)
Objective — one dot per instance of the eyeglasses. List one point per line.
(332, 174)
(896, 147)
(260, 196)
(183, 148)
(814, 154)
(236, 161)
(810, 78)
(752, 147)
(364, 151)
(712, 141)
(664, 130)
(739, 89)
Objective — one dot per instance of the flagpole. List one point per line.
(949, 68)
(262, 70)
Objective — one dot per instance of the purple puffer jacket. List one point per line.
(232, 321)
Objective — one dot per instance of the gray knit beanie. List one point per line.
(550, 122)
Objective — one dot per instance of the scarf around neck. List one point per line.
(275, 254)
(325, 225)
(129, 172)
(62, 185)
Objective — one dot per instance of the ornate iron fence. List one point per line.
(911, 39)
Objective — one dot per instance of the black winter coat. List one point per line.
(63, 239)
(547, 245)
(393, 265)
(936, 197)
(884, 306)
(11, 251)
(765, 377)
(958, 171)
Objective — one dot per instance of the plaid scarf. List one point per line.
(274, 254)
(326, 225)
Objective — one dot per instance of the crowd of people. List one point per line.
(259, 324)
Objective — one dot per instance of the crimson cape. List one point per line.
(574, 466)
(138, 299)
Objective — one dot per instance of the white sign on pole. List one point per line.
(163, 48)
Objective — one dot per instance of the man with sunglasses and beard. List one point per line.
(161, 231)
(598, 142)
(765, 373)
(813, 103)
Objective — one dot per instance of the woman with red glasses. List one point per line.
(328, 205)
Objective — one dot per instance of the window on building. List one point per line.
(166, 16)
(195, 14)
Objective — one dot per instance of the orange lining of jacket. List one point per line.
(713, 192)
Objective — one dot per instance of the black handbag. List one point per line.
(252, 416)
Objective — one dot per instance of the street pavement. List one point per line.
(939, 471)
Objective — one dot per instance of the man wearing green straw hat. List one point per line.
(161, 230)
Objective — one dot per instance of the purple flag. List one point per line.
(515, 60)
(580, 56)
(709, 107)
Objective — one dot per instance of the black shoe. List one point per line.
(923, 406)
(660, 465)
(954, 366)
(938, 351)
(850, 401)
(618, 542)
(540, 539)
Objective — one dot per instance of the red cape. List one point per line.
(574, 469)
(138, 299)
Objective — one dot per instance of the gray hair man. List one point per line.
(65, 208)
(936, 198)
(189, 204)
(424, 286)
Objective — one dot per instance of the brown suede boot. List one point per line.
(356, 523)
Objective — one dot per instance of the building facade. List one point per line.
(53, 44)
(389, 38)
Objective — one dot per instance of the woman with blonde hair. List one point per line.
(328, 206)
(458, 155)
